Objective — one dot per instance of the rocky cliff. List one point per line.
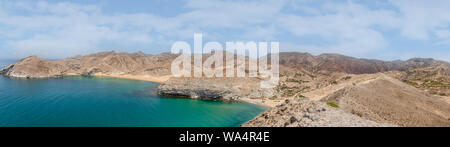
(214, 88)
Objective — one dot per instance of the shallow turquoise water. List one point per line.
(79, 101)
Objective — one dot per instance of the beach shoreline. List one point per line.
(265, 102)
(160, 79)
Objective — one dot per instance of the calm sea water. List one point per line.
(79, 101)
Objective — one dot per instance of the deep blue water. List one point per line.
(79, 101)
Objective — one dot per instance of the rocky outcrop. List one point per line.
(215, 88)
(307, 113)
(6, 69)
(197, 93)
(91, 72)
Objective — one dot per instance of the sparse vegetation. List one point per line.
(408, 73)
(296, 81)
(282, 87)
(332, 104)
(312, 76)
(347, 78)
(305, 88)
(410, 83)
(429, 79)
(357, 113)
(431, 74)
(433, 84)
(289, 93)
(334, 82)
(326, 74)
(299, 75)
(300, 96)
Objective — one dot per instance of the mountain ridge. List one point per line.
(306, 61)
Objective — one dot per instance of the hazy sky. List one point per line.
(385, 29)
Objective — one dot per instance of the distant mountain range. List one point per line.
(134, 63)
(351, 65)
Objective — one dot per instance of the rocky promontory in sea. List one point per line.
(214, 88)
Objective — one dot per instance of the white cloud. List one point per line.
(55, 30)
(63, 29)
(350, 27)
(232, 14)
(421, 19)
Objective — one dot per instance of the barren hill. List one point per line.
(374, 97)
(105, 63)
(388, 100)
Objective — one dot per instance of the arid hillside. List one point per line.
(354, 92)
(351, 65)
(435, 79)
(387, 100)
(375, 97)
(105, 63)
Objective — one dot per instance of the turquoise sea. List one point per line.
(92, 102)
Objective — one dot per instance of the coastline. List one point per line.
(265, 102)
(262, 102)
(160, 79)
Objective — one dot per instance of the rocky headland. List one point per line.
(214, 88)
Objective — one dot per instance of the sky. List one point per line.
(375, 29)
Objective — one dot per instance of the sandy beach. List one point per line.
(159, 79)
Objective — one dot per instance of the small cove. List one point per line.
(110, 102)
